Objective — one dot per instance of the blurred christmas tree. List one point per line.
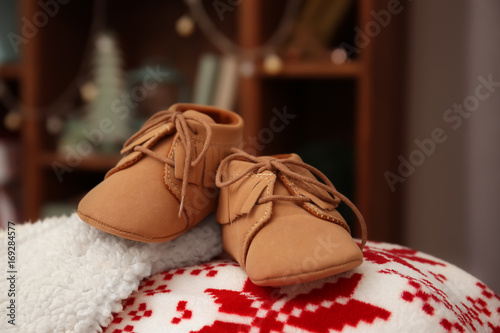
(108, 85)
(102, 124)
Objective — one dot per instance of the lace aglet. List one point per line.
(181, 206)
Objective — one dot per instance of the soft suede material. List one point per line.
(140, 198)
(282, 242)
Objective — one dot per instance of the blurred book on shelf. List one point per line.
(317, 24)
(227, 83)
(216, 81)
(206, 79)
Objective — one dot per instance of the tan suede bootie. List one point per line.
(280, 223)
(164, 185)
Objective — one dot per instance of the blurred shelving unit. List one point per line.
(316, 70)
(361, 99)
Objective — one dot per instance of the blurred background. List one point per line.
(396, 101)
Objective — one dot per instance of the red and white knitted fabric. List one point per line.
(396, 289)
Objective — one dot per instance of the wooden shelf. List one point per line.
(95, 162)
(352, 69)
(10, 71)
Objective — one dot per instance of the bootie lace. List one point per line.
(279, 165)
(185, 131)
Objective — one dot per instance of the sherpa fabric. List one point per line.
(71, 276)
(395, 290)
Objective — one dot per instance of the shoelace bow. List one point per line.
(185, 132)
(270, 163)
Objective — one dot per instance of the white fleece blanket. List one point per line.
(71, 277)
